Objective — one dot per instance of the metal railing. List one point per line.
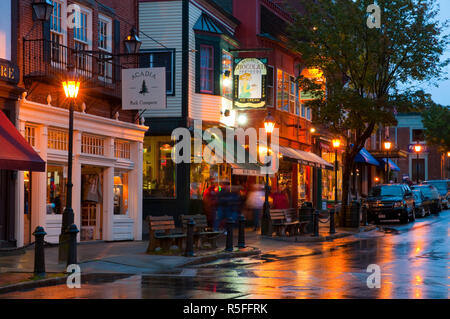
(47, 60)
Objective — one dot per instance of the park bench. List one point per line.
(283, 220)
(162, 233)
(202, 233)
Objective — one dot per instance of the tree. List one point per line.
(143, 88)
(365, 67)
(436, 121)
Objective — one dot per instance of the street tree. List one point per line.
(365, 67)
(436, 121)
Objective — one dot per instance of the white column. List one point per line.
(108, 203)
(39, 182)
(108, 193)
(19, 199)
(135, 189)
(76, 180)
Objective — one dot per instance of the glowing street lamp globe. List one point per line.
(269, 124)
(387, 145)
(71, 85)
(417, 148)
(336, 142)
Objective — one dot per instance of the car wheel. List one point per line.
(413, 216)
(423, 213)
(429, 211)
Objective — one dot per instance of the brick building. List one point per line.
(107, 161)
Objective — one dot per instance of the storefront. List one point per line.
(107, 174)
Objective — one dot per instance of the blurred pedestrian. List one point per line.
(255, 203)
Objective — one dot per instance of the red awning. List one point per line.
(15, 152)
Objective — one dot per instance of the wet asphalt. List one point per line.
(413, 259)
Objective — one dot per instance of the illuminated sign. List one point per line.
(250, 82)
(9, 72)
(144, 89)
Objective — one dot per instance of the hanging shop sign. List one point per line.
(144, 89)
(250, 75)
(9, 72)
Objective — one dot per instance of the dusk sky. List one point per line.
(441, 94)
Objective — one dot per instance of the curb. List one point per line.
(58, 280)
(222, 255)
(311, 239)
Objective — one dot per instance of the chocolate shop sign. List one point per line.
(250, 82)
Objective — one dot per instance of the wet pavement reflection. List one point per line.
(414, 263)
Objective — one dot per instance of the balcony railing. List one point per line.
(46, 60)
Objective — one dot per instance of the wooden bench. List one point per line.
(202, 233)
(283, 220)
(162, 233)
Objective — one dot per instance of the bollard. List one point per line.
(72, 230)
(364, 216)
(39, 255)
(229, 244)
(332, 222)
(190, 239)
(316, 223)
(241, 238)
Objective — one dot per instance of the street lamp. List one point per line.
(387, 146)
(417, 149)
(336, 144)
(269, 125)
(42, 9)
(132, 42)
(71, 87)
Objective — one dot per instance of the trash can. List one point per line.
(352, 215)
(306, 215)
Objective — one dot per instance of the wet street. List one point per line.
(414, 260)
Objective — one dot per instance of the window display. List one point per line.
(56, 188)
(120, 193)
(159, 169)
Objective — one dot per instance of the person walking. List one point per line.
(255, 203)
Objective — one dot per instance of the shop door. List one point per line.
(27, 208)
(91, 203)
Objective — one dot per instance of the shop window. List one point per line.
(159, 174)
(58, 139)
(420, 165)
(120, 193)
(205, 177)
(161, 59)
(93, 145)
(206, 68)
(122, 149)
(56, 189)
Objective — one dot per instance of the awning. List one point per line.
(392, 165)
(365, 157)
(15, 152)
(248, 168)
(305, 158)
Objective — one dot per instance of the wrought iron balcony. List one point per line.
(47, 61)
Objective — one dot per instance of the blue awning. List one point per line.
(392, 165)
(365, 157)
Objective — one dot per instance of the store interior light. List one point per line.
(117, 180)
(242, 119)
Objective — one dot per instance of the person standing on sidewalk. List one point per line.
(255, 203)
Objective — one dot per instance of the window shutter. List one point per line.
(116, 49)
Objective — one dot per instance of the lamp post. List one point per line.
(132, 42)
(448, 166)
(269, 125)
(42, 9)
(387, 146)
(417, 149)
(71, 87)
(336, 144)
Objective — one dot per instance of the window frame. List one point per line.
(270, 96)
(107, 66)
(89, 37)
(172, 53)
(209, 69)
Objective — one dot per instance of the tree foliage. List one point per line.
(365, 68)
(436, 121)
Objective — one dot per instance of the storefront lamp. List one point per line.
(336, 143)
(387, 145)
(312, 130)
(71, 85)
(132, 42)
(269, 124)
(42, 9)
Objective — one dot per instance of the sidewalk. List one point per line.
(129, 258)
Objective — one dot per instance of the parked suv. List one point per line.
(394, 201)
(443, 187)
(432, 197)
